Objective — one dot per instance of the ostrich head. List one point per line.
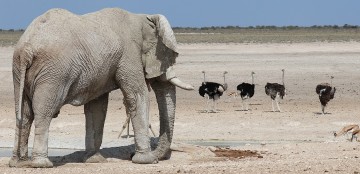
(331, 77)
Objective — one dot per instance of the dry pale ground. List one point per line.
(297, 140)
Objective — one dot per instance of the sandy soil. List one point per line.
(297, 140)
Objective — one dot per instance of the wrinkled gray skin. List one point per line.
(64, 58)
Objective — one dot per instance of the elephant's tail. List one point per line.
(25, 60)
(21, 93)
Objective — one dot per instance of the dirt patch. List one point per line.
(236, 154)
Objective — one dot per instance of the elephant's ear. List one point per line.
(159, 48)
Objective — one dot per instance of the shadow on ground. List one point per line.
(121, 153)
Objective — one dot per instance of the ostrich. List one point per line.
(212, 90)
(274, 90)
(326, 92)
(353, 128)
(246, 90)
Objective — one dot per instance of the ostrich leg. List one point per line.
(152, 131)
(277, 104)
(207, 103)
(247, 105)
(242, 104)
(272, 104)
(213, 106)
(128, 130)
(127, 124)
(124, 126)
(323, 109)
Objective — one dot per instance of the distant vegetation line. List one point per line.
(346, 26)
(237, 34)
(289, 27)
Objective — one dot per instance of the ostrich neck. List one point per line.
(283, 78)
(252, 78)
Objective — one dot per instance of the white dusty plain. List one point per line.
(297, 140)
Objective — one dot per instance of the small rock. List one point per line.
(184, 170)
(308, 168)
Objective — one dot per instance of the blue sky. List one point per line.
(17, 14)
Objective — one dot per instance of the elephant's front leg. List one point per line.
(166, 99)
(136, 100)
(95, 113)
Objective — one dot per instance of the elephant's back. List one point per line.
(117, 20)
(59, 28)
(48, 27)
(74, 45)
(107, 13)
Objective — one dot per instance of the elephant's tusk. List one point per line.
(177, 82)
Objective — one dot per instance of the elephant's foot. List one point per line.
(166, 156)
(94, 158)
(41, 162)
(21, 164)
(162, 155)
(144, 158)
(36, 162)
(15, 162)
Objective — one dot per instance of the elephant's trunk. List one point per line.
(166, 98)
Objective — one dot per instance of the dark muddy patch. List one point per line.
(236, 154)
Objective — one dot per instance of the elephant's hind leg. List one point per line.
(22, 131)
(95, 113)
(47, 102)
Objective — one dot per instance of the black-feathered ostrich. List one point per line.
(326, 92)
(246, 91)
(275, 91)
(212, 91)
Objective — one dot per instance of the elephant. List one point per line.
(64, 58)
